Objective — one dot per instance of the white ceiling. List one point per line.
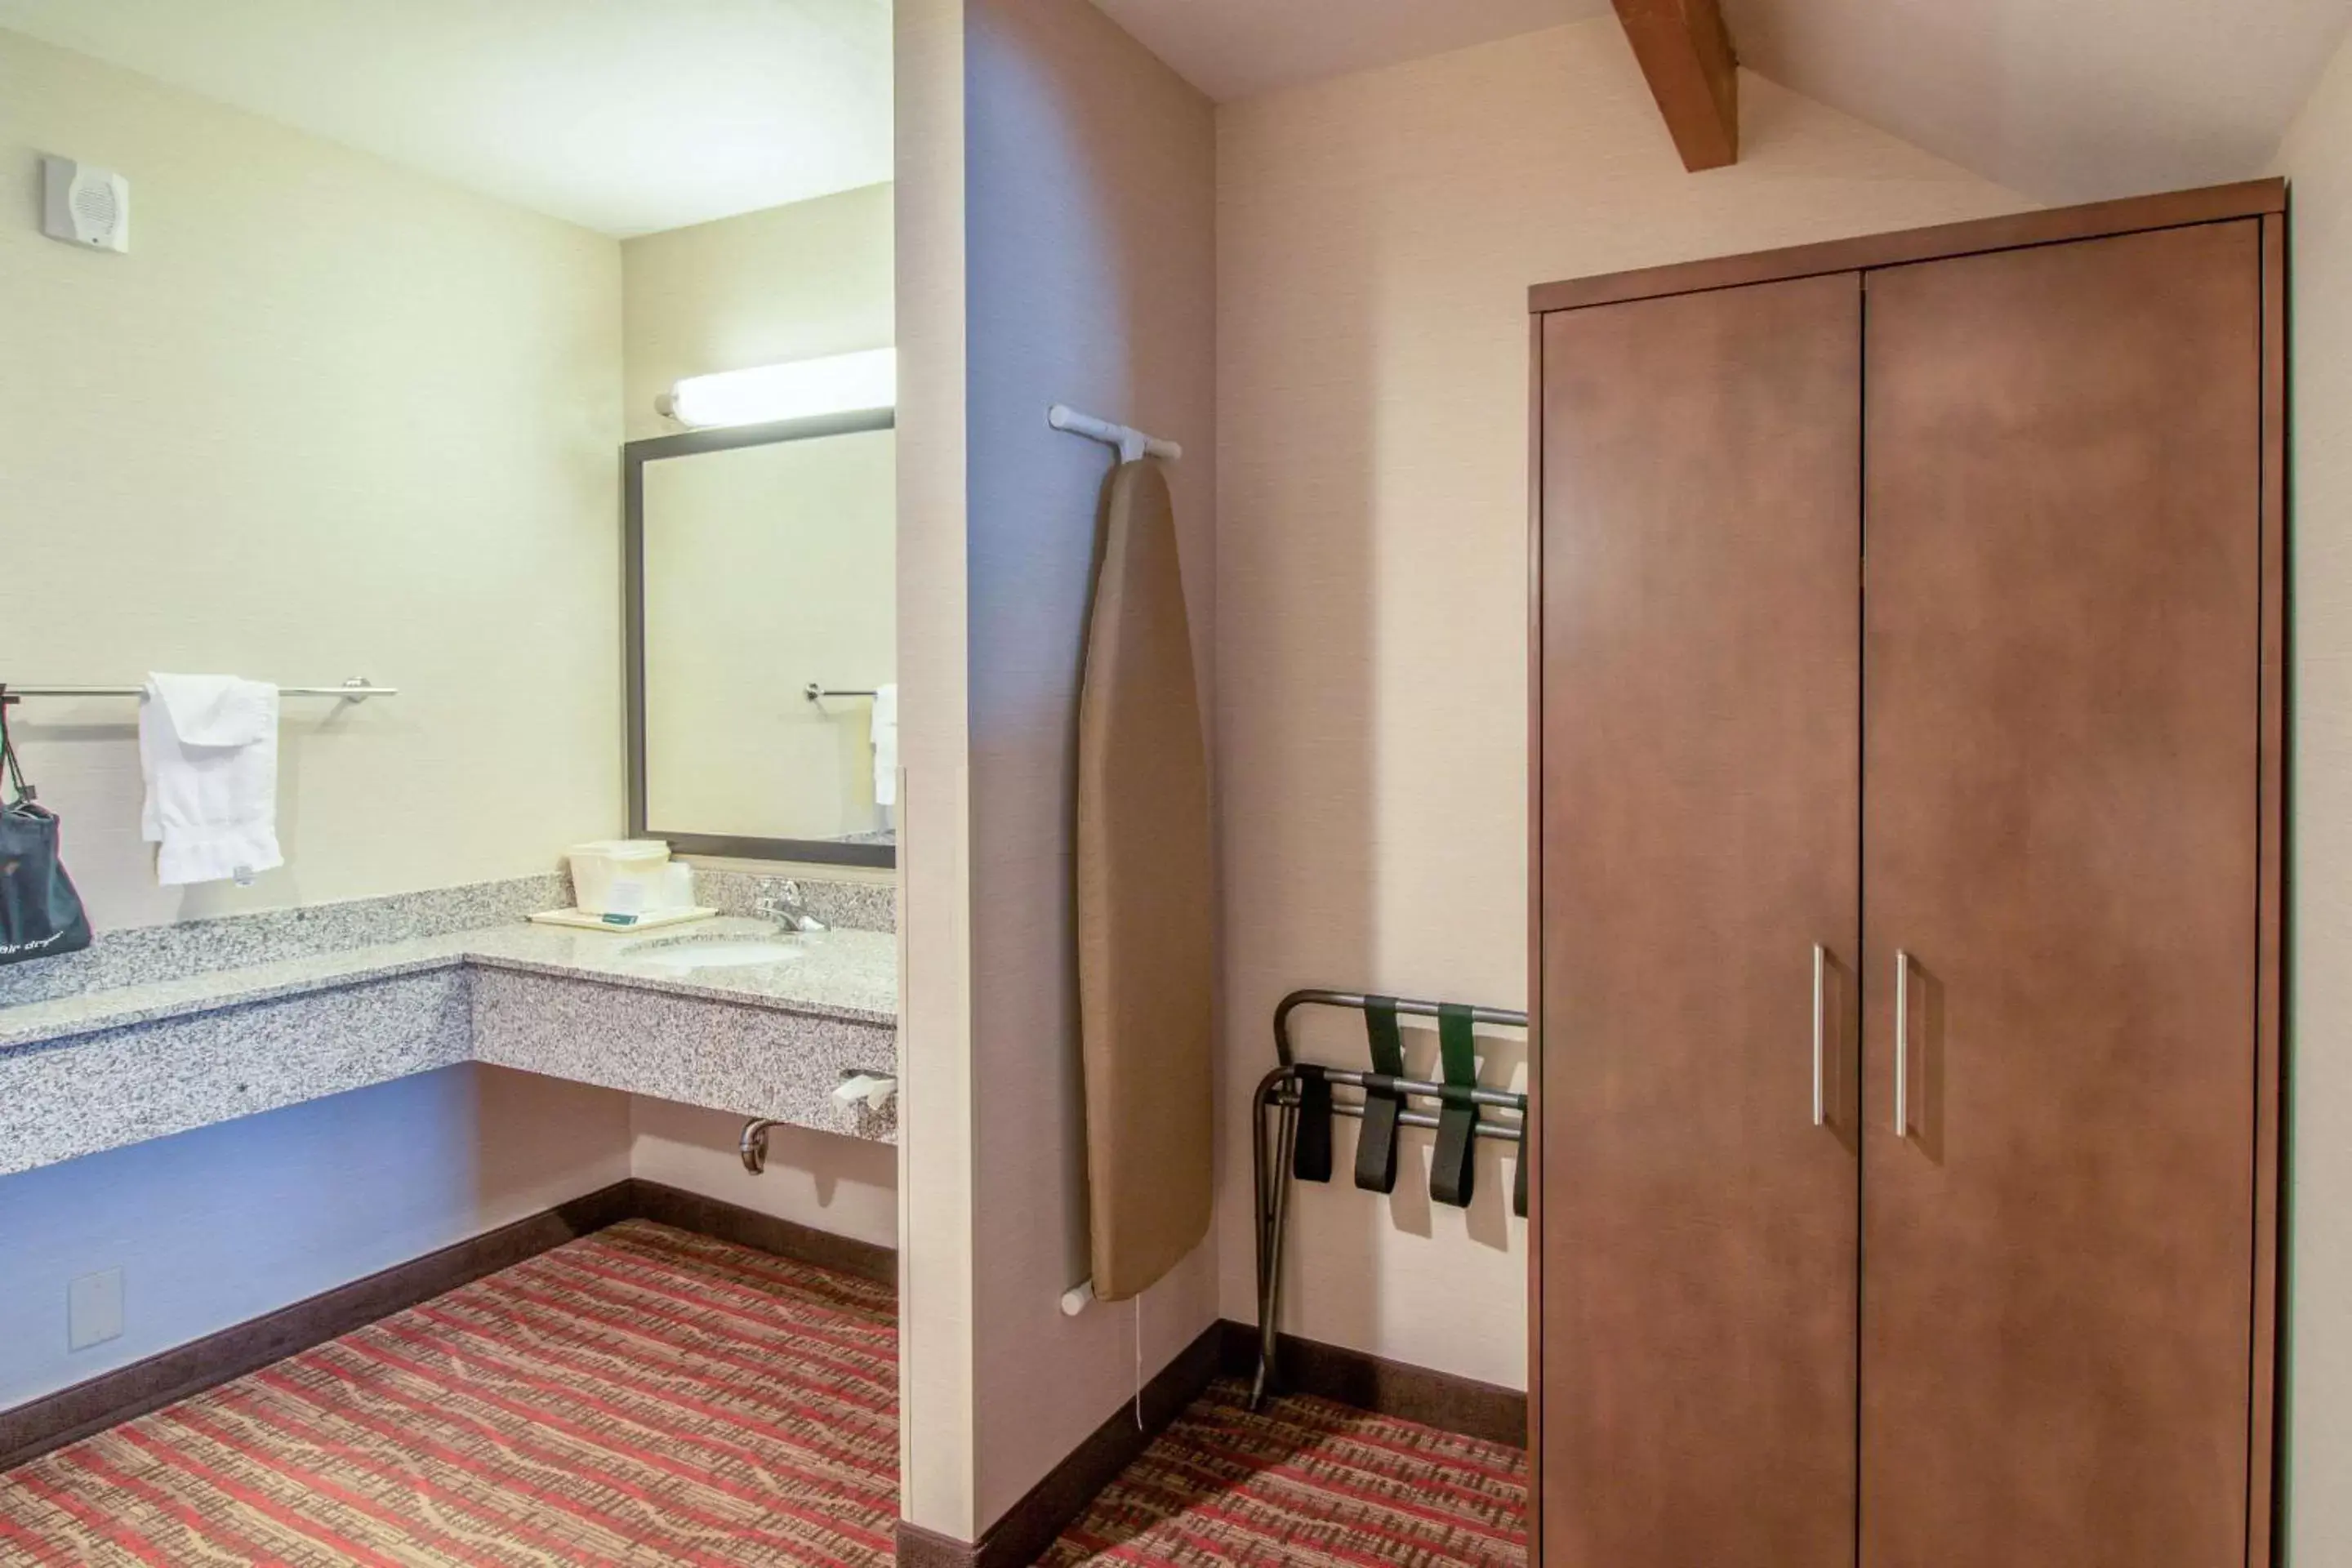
(2061, 99)
(624, 116)
(1233, 48)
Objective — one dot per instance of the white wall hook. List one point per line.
(1133, 445)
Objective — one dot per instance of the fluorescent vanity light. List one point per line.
(844, 384)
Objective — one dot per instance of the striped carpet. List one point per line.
(1305, 1482)
(648, 1397)
(639, 1396)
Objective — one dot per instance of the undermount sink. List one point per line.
(714, 952)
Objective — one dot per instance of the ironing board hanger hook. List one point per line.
(1132, 445)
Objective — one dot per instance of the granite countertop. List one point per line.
(849, 975)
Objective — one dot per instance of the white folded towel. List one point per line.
(886, 746)
(208, 747)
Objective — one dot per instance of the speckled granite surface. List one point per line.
(90, 1013)
(98, 1092)
(755, 1061)
(846, 974)
(146, 954)
(852, 975)
(103, 1069)
(843, 906)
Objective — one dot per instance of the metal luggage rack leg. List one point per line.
(1274, 1142)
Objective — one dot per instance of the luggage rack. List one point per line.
(1291, 1126)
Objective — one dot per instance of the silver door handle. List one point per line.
(1902, 1044)
(1820, 1013)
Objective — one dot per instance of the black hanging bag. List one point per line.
(40, 914)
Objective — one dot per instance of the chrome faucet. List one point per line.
(788, 908)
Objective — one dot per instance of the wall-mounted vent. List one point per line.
(85, 205)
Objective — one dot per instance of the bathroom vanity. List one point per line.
(160, 1032)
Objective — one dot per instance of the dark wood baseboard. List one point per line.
(51, 1422)
(1030, 1526)
(33, 1429)
(1438, 1399)
(724, 1221)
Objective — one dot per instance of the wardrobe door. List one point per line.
(2063, 635)
(1700, 748)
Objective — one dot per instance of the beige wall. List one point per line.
(937, 1441)
(1091, 264)
(1086, 274)
(845, 1186)
(1377, 235)
(327, 419)
(792, 282)
(2317, 156)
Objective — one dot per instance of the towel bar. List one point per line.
(357, 690)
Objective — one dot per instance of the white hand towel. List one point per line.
(886, 746)
(208, 747)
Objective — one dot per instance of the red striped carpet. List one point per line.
(1305, 1482)
(639, 1396)
(646, 1396)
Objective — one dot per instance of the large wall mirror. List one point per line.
(762, 605)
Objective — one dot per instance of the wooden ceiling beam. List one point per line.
(1686, 53)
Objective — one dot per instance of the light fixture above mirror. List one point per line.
(859, 382)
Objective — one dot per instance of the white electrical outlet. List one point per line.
(94, 1310)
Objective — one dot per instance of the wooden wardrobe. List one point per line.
(1907, 631)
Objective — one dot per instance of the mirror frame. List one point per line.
(635, 456)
